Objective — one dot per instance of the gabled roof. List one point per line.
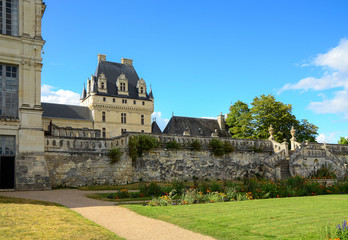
(155, 128)
(195, 126)
(112, 71)
(53, 110)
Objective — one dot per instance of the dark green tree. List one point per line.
(239, 120)
(254, 122)
(266, 111)
(343, 140)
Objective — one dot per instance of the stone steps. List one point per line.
(284, 169)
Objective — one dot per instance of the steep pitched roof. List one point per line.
(196, 126)
(53, 110)
(112, 71)
(155, 128)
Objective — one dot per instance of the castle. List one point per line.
(44, 145)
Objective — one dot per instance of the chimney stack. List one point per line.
(127, 61)
(101, 57)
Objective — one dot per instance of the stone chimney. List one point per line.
(101, 57)
(221, 122)
(127, 61)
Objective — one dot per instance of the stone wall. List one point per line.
(81, 161)
(166, 165)
(77, 162)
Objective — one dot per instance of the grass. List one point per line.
(283, 218)
(30, 219)
(103, 196)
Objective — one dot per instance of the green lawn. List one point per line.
(29, 219)
(283, 218)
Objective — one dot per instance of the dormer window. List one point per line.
(102, 87)
(122, 85)
(141, 85)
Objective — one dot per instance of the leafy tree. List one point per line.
(343, 140)
(239, 120)
(264, 111)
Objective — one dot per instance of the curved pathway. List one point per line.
(119, 220)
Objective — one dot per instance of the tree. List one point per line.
(266, 111)
(254, 122)
(239, 120)
(343, 140)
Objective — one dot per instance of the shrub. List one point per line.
(196, 145)
(228, 147)
(173, 145)
(217, 147)
(325, 171)
(137, 145)
(152, 189)
(115, 155)
(178, 186)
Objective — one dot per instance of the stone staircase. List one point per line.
(284, 169)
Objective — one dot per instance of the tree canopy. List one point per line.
(254, 122)
(343, 140)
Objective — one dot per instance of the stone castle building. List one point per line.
(44, 145)
(115, 101)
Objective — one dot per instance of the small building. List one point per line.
(200, 127)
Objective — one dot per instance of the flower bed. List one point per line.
(250, 189)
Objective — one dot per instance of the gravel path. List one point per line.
(119, 220)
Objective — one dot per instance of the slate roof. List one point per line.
(155, 128)
(112, 71)
(196, 126)
(53, 110)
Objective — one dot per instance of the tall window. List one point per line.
(123, 118)
(142, 120)
(8, 91)
(104, 133)
(7, 145)
(9, 17)
(141, 90)
(103, 116)
(123, 86)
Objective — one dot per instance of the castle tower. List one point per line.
(22, 162)
(118, 99)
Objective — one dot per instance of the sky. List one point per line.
(202, 56)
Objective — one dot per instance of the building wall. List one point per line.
(66, 123)
(24, 52)
(113, 111)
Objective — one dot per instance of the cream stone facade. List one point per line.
(117, 100)
(21, 113)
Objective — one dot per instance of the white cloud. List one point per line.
(60, 96)
(337, 104)
(336, 58)
(335, 65)
(161, 122)
(327, 138)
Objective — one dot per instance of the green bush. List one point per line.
(217, 147)
(178, 186)
(115, 155)
(137, 145)
(173, 145)
(152, 189)
(228, 147)
(325, 171)
(196, 145)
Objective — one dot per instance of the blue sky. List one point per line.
(201, 56)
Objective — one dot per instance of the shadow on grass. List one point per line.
(14, 200)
